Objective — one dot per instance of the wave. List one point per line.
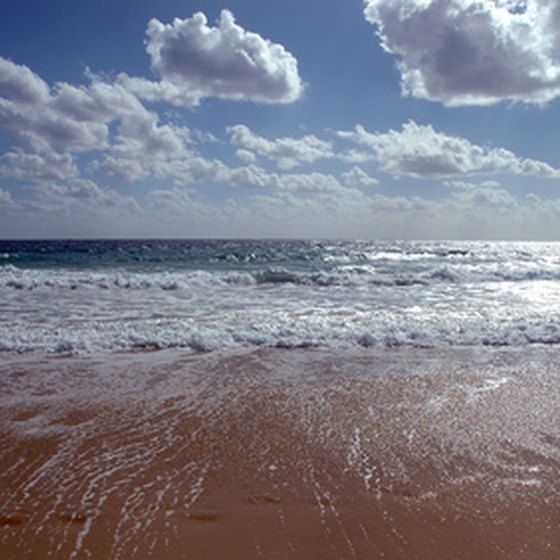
(360, 295)
(15, 278)
(31, 279)
(95, 336)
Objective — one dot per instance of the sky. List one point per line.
(384, 119)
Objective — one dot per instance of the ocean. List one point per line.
(205, 399)
(91, 296)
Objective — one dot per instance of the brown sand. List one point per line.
(297, 454)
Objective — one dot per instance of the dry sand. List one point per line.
(296, 454)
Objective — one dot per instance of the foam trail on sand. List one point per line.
(348, 454)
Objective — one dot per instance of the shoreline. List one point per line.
(398, 453)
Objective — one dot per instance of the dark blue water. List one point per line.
(158, 255)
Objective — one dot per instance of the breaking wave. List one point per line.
(88, 297)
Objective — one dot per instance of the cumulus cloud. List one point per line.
(6, 200)
(88, 194)
(144, 147)
(479, 197)
(38, 167)
(246, 155)
(75, 207)
(50, 124)
(65, 117)
(358, 178)
(285, 152)
(195, 60)
(253, 176)
(422, 152)
(472, 52)
(173, 201)
(21, 84)
(484, 196)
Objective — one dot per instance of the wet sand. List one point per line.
(303, 454)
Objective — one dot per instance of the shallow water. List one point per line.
(356, 453)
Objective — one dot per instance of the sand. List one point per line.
(298, 454)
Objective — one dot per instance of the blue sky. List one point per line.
(277, 118)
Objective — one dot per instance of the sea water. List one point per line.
(114, 295)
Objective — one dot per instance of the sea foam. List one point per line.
(275, 294)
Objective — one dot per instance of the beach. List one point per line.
(280, 280)
(281, 453)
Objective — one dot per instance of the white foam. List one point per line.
(216, 319)
(369, 300)
(373, 272)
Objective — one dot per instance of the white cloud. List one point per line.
(21, 84)
(38, 167)
(195, 60)
(143, 147)
(422, 152)
(312, 183)
(173, 201)
(74, 208)
(459, 184)
(177, 205)
(286, 152)
(543, 210)
(73, 200)
(191, 168)
(50, 124)
(6, 200)
(149, 90)
(252, 176)
(471, 210)
(100, 117)
(472, 52)
(64, 118)
(487, 198)
(246, 155)
(358, 178)
(486, 195)
(354, 156)
(197, 169)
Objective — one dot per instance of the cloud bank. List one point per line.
(422, 152)
(472, 52)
